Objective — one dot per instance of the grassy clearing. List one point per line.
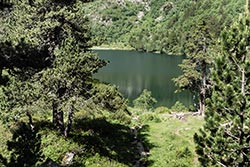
(172, 141)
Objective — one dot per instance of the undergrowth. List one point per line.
(98, 141)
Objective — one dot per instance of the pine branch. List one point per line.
(229, 134)
(225, 125)
(209, 156)
(245, 153)
(227, 109)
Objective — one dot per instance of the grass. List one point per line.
(4, 137)
(173, 141)
(104, 143)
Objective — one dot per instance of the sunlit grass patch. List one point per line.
(173, 141)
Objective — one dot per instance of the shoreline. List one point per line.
(106, 47)
(110, 47)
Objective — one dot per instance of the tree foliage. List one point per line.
(195, 67)
(25, 147)
(145, 100)
(224, 139)
(46, 57)
(158, 25)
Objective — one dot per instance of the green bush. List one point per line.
(179, 107)
(150, 117)
(55, 146)
(161, 110)
(145, 101)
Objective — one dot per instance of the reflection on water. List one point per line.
(134, 71)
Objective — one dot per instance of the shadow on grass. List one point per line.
(25, 147)
(111, 140)
(114, 141)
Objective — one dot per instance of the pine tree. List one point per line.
(225, 137)
(196, 65)
(54, 33)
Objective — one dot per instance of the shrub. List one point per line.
(145, 100)
(179, 107)
(161, 109)
(150, 117)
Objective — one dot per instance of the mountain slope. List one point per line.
(158, 25)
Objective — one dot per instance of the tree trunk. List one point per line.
(243, 151)
(69, 123)
(202, 99)
(58, 118)
(32, 127)
(202, 104)
(243, 82)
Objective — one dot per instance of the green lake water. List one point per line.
(133, 71)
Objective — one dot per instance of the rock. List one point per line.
(140, 15)
(167, 7)
(141, 149)
(68, 159)
(159, 19)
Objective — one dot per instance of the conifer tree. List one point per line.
(53, 35)
(196, 65)
(225, 138)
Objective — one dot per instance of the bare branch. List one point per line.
(209, 156)
(229, 134)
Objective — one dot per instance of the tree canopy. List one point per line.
(196, 65)
(46, 58)
(158, 25)
(224, 139)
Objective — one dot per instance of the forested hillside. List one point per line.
(158, 25)
(53, 112)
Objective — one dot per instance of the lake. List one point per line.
(133, 71)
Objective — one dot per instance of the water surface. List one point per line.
(133, 71)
